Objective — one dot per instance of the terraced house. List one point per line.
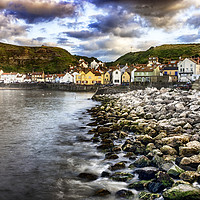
(147, 74)
(89, 78)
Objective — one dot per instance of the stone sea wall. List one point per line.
(152, 134)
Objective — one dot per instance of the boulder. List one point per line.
(88, 176)
(138, 185)
(122, 176)
(102, 192)
(146, 173)
(166, 149)
(175, 171)
(103, 129)
(182, 191)
(117, 166)
(126, 194)
(188, 151)
(176, 141)
(142, 161)
(190, 176)
(192, 161)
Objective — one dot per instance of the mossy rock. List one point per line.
(122, 176)
(125, 194)
(182, 192)
(148, 196)
(139, 185)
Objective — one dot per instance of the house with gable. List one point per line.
(188, 70)
(126, 78)
(147, 74)
(116, 77)
(38, 76)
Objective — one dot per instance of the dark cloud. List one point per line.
(158, 13)
(118, 23)
(38, 10)
(82, 35)
(194, 21)
(189, 38)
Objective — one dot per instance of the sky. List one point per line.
(105, 29)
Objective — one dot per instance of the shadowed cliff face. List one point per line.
(27, 59)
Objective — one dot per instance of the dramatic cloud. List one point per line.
(194, 21)
(10, 29)
(157, 13)
(35, 11)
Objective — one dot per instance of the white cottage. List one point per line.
(67, 78)
(188, 70)
(9, 77)
(116, 77)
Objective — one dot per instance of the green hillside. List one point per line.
(164, 53)
(27, 59)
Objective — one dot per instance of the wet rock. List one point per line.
(187, 126)
(176, 141)
(146, 139)
(188, 151)
(111, 156)
(88, 176)
(148, 196)
(146, 173)
(175, 171)
(190, 176)
(168, 150)
(105, 174)
(150, 147)
(121, 176)
(164, 179)
(102, 192)
(139, 185)
(117, 166)
(182, 191)
(142, 161)
(126, 194)
(155, 187)
(192, 161)
(103, 129)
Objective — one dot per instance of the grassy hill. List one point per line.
(27, 59)
(164, 53)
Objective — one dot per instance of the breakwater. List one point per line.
(151, 141)
(50, 86)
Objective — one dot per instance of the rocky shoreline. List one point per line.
(152, 138)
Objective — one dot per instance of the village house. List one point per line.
(188, 70)
(147, 74)
(49, 78)
(67, 78)
(59, 78)
(9, 77)
(126, 78)
(20, 78)
(116, 77)
(107, 77)
(90, 78)
(172, 72)
(38, 77)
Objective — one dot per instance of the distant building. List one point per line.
(116, 77)
(172, 72)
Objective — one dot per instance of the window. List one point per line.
(79, 77)
(107, 75)
(116, 72)
(165, 73)
(89, 77)
(99, 77)
(116, 81)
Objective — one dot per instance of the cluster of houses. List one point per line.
(182, 70)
